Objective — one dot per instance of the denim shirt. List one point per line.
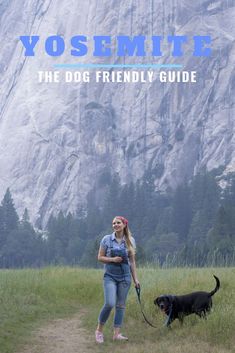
(110, 242)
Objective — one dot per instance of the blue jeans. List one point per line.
(115, 294)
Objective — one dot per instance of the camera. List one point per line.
(121, 253)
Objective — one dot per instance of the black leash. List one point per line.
(145, 318)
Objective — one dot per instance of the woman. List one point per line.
(117, 252)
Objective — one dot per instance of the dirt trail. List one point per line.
(61, 336)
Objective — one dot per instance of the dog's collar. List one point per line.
(171, 297)
(169, 316)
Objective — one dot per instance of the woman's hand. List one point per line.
(137, 283)
(117, 259)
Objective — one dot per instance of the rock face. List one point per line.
(59, 140)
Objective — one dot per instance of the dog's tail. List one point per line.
(217, 286)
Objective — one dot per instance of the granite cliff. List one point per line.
(60, 140)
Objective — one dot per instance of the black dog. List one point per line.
(176, 307)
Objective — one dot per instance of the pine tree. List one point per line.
(221, 230)
(8, 222)
(57, 238)
(205, 195)
(23, 246)
(2, 229)
(25, 217)
(181, 211)
(220, 238)
(10, 217)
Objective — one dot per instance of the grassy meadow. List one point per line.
(32, 297)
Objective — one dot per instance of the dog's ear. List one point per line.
(156, 301)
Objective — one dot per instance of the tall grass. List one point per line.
(216, 331)
(30, 298)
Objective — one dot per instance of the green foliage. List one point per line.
(191, 226)
(20, 245)
(10, 217)
(181, 211)
(9, 221)
(63, 242)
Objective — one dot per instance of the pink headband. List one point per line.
(123, 219)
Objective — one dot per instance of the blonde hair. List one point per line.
(128, 236)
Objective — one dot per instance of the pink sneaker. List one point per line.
(99, 337)
(119, 337)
